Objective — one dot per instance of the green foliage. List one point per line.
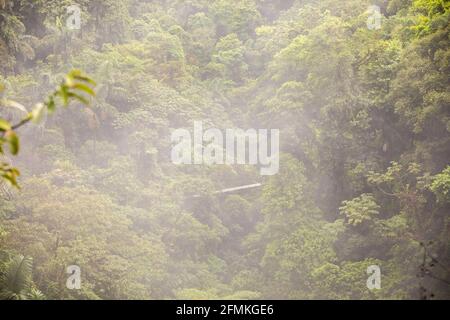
(441, 186)
(16, 282)
(364, 127)
(74, 84)
(360, 209)
(433, 14)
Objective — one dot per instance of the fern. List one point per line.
(15, 281)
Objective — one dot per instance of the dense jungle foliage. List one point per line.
(364, 119)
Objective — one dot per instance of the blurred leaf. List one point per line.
(37, 112)
(12, 104)
(51, 105)
(4, 125)
(13, 141)
(78, 75)
(85, 88)
(80, 98)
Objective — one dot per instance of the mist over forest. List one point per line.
(356, 204)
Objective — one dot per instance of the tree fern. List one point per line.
(35, 294)
(15, 281)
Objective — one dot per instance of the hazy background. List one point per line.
(362, 103)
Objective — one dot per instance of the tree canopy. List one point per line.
(364, 121)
